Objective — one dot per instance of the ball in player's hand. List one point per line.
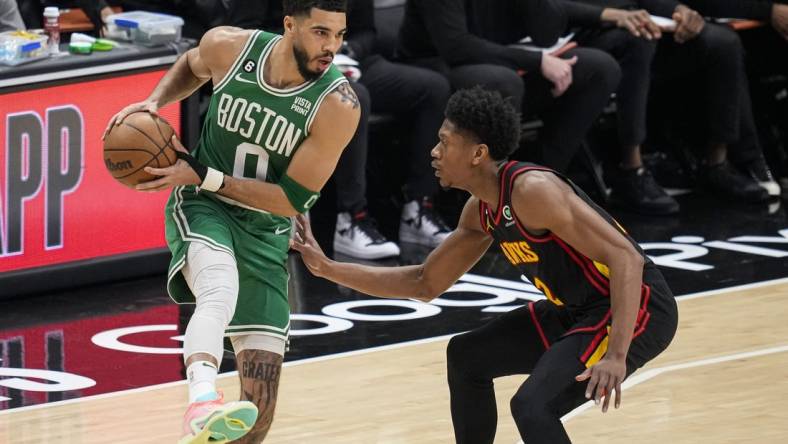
(141, 139)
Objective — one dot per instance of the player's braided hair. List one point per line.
(304, 7)
(488, 117)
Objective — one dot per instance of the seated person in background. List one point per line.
(774, 13)
(696, 51)
(468, 41)
(33, 11)
(415, 94)
(628, 34)
(768, 52)
(10, 20)
(767, 58)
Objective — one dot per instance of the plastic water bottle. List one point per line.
(52, 27)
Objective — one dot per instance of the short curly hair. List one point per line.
(487, 116)
(304, 7)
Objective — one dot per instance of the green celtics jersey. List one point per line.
(253, 130)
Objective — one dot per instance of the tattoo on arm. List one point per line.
(347, 94)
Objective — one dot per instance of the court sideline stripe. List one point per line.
(233, 374)
(654, 372)
(639, 378)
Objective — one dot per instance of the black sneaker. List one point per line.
(759, 171)
(668, 171)
(637, 190)
(421, 224)
(723, 178)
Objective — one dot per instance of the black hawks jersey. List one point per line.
(566, 277)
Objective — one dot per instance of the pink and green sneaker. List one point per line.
(217, 422)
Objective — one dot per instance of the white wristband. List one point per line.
(213, 180)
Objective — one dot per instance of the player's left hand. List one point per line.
(180, 173)
(604, 377)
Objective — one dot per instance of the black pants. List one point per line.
(514, 344)
(350, 174)
(414, 94)
(635, 56)
(764, 70)
(567, 118)
(713, 64)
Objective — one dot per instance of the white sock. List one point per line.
(202, 381)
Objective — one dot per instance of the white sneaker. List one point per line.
(357, 236)
(759, 171)
(420, 224)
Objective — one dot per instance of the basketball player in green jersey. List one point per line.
(279, 118)
(607, 310)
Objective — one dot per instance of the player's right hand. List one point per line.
(182, 172)
(604, 378)
(304, 242)
(148, 106)
(558, 71)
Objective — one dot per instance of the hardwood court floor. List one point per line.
(705, 388)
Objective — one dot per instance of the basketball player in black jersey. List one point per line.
(608, 309)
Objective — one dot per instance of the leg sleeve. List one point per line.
(212, 276)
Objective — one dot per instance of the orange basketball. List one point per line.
(141, 140)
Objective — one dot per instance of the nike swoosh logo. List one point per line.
(281, 230)
(241, 79)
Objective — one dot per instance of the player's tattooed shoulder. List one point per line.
(347, 94)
